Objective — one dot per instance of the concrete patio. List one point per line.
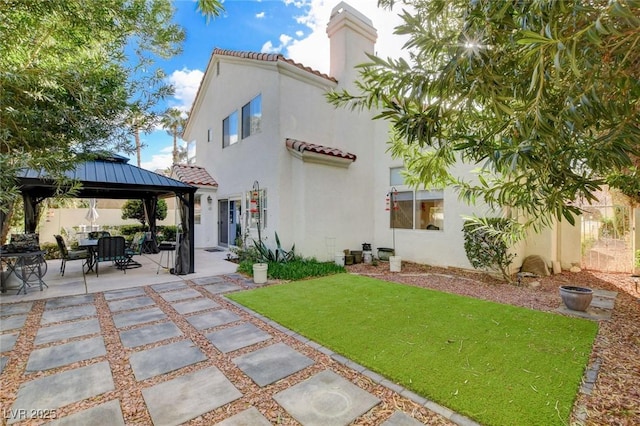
(207, 264)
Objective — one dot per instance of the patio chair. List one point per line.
(134, 249)
(67, 255)
(111, 249)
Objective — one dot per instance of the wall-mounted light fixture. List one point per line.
(209, 199)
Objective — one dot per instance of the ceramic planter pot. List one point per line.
(576, 298)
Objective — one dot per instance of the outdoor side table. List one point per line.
(168, 247)
(28, 266)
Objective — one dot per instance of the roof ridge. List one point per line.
(270, 57)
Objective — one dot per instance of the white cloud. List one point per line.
(260, 15)
(159, 161)
(313, 51)
(285, 40)
(186, 83)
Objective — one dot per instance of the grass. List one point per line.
(294, 270)
(498, 364)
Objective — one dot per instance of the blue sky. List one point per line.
(294, 28)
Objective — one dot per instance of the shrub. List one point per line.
(485, 242)
(295, 270)
(52, 251)
(168, 232)
(130, 230)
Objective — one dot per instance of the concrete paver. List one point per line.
(149, 334)
(54, 333)
(60, 389)
(108, 413)
(3, 362)
(68, 314)
(63, 302)
(195, 305)
(124, 293)
(138, 317)
(223, 287)
(326, 399)
(67, 353)
(15, 308)
(208, 280)
(249, 417)
(170, 286)
(7, 341)
(129, 304)
(12, 323)
(212, 319)
(165, 358)
(174, 296)
(401, 419)
(270, 364)
(237, 337)
(198, 392)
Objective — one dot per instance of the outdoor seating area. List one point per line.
(75, 282)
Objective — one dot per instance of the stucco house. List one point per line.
(262, 127)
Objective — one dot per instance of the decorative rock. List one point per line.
(575, 269)
(534, 284)
(535, 265)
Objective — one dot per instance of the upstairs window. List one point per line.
(252, 117)
(230, 129)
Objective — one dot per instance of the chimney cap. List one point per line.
(345, 7)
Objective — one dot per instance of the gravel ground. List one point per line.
(615, 399)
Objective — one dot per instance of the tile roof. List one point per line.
(270, 57)
(193, 175)
(301, 147)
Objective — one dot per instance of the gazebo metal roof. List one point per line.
(107, 177)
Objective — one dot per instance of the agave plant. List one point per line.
(279, 255)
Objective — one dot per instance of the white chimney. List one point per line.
(351, 36)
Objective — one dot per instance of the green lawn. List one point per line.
(498, 364)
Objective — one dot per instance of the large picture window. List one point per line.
(252, 117)
(230, 129)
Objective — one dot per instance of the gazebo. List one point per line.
(110, 176)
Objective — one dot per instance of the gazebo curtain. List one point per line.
(185, 251)
(150, 209)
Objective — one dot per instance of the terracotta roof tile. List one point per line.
(193, 175)
(301, 146)
(270, 57)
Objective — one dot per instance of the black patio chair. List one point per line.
(134, 249)
(67, 255)
(112, 249)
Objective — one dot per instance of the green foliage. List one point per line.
(51, 249)
(249, 254)
(451, 349)
(294, 270)
(167, 232)
(617, 225)
(266, 255)
(543, 95)
(134, 209)
(127, 230)
(637, 258)
(486, 245)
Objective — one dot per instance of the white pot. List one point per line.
(395, 263)
(260, 273)
(339, 258)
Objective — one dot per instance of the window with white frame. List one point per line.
(230, 129)
(415, 209)
(252, 117)
(260, 206)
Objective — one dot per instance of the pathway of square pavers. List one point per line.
(194, 357)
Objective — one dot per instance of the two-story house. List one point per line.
(319, 176)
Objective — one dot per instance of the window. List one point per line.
(415, 209)
(230, 129)
(429, 210)
(197, 209)
(262, 205)
(251, 117)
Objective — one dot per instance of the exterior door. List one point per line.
(223, 223)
